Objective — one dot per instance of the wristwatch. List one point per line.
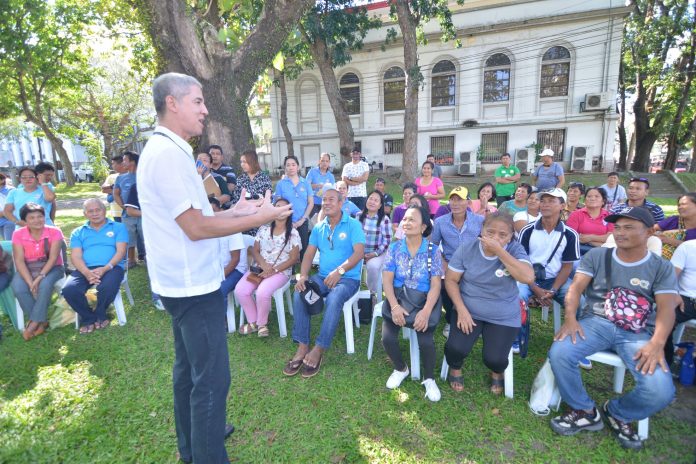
(340, 270)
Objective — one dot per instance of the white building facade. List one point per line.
(529, 75)
(28, 150)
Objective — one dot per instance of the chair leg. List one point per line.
(231, 328)
(280, 309)
(348, 320)
(556, 317)
(120, 310)
(415, 354)
(678, 333)
(643, 427)
(508, 376)
(376, 312)
(20, 316)
(619, 373)
(288, 297)
(544, 313)
(444, 369)
(129, 295)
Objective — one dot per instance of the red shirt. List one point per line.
(581, 222)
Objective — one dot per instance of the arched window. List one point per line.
(496, 78)
(309, 103)
(349, 87)
(394, 89)
(444, 84)
(555, 72)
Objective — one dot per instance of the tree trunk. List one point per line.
(320, 53)
(57, 145)
(644, 132)
(284, 114)
(623, 144)
(686, 66)
(188, 44)
(408, 24)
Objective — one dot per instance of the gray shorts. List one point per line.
(135, 229)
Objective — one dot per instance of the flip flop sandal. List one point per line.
(101, 325)
(308, 372)
(247, 329)
(86, 329)
(455, 380)
(292, 367)
(497, 385)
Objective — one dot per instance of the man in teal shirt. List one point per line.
(341, 241)
(506, 177)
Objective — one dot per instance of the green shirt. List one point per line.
(506, 190)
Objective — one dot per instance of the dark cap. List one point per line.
(637, 213)
(312, 298)
(231, 178)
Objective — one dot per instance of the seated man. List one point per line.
(629, 269)
(684, 262)
(340, 240)
(98, 251)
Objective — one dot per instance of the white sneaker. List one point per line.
(158, 304)
(431, 390)
(396, 378)
(446, 330)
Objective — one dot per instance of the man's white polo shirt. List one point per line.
(539, 245)
(168, 185)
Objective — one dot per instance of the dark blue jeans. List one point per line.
(201, 375)
(74, 292)
(230, 282)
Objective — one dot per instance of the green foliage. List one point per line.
(94, 150)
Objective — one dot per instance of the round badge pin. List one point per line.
(110, 234)
(635, 281)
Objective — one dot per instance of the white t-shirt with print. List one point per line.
(356, 170)
(273, 245)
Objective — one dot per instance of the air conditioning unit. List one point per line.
(467, 163)
(596, 101)
(581, 159)
(524, 160)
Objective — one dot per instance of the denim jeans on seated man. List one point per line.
(526, 290)
(227, 285)
(77, 284)
(332, 314)
(652, 392)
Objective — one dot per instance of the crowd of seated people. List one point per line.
(473, 258)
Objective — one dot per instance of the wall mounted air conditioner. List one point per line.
(581, 159)
(524, 160)
(595, 102)
(467, 163)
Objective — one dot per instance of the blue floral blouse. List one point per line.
(412, 271)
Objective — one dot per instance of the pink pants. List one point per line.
(257, 311)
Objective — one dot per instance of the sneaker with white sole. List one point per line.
(516, 347)
(585, 364)
(431, 390)
(396, 378)
(446, 331)
(158, 304)
(577, 420)
(625, 431)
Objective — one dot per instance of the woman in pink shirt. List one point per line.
(589, 222)
(430, 187)
(38, 265)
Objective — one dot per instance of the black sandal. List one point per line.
(497, 385)
(292, 367)
(455, 380)
(309, 371)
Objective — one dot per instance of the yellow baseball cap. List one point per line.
(461, 191)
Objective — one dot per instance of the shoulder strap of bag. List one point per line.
(555, 249)
(607, 267)
(616, 192)
(47, 248)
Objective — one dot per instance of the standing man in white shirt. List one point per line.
(181, 233)
(355, 175)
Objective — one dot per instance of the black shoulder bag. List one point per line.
(540, 269)
(413, 300)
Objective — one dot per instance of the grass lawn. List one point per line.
(106, 398)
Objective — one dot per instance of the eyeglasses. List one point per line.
(27, 177)
(331, 239)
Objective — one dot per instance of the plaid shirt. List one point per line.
(377, 236)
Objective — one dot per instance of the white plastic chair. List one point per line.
(508, 374)
(612, 359)
(350, 309)
(280, 309)
(679, 331)
(366, 294)
(556, 315)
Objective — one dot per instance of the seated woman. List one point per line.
(409, 189)
(675, 230)
(38, 266)
(519, 203)
(575, 191)
(497, 261)
(415, 200)
(275, 251)
(523, 218)
(412, 278)
(483, 206)
(377, 227)
(589, 222)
